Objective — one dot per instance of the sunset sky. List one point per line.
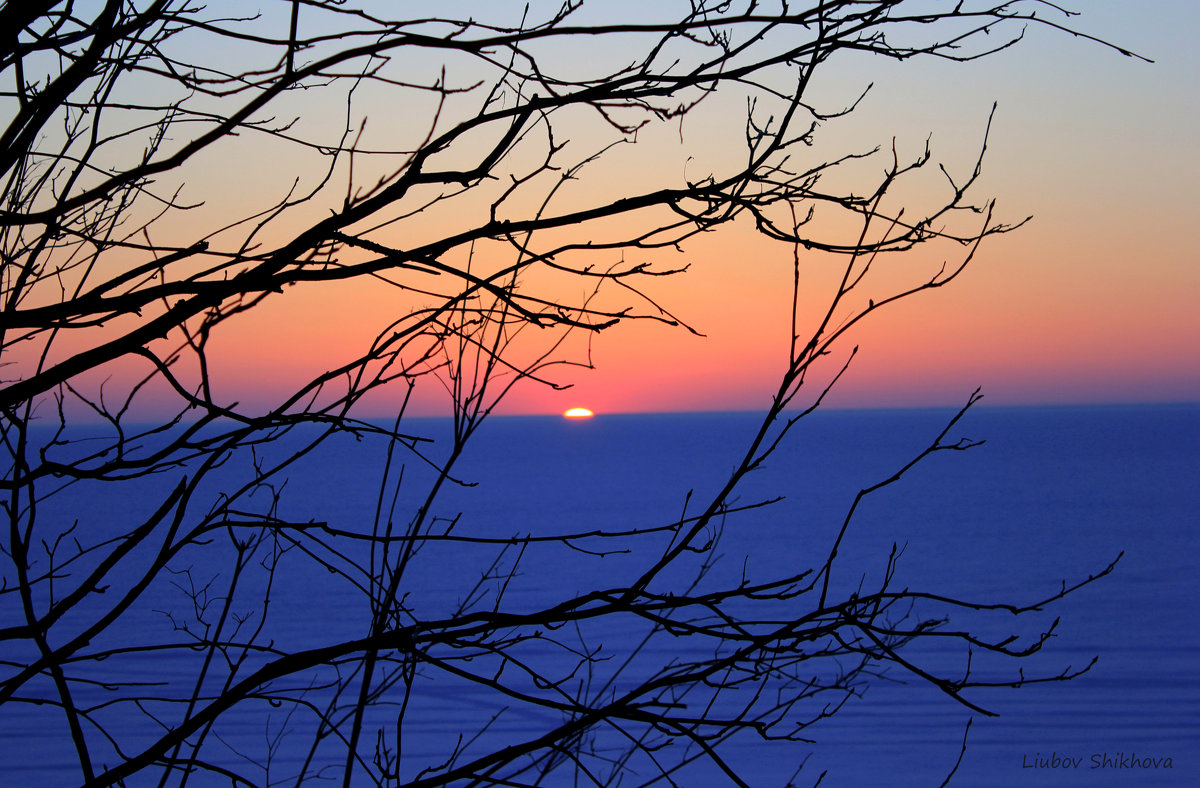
(1094, 301)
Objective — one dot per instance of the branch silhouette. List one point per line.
(173, 171)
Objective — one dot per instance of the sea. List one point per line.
(1051, 497)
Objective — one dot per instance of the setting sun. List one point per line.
(578, 413)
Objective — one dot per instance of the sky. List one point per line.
(1093, 301)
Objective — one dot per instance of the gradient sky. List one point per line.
(1096, 300)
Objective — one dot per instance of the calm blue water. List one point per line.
(1054, 495)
